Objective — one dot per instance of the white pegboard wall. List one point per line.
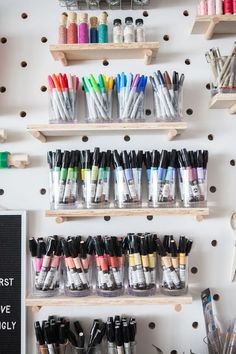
(21, 188)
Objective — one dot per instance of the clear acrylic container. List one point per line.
(141, 275)
(127, 187)
(223, 74)
(63, 106)
(168, 104)
(99, 110)
(63, 188)
(96, 188)
(93, 4)
(174, 275)
(193, 186)
(46, 276)
(77, 282)
(162, 187)
(131, 106)
(109, 276)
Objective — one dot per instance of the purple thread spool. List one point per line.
(83, 28)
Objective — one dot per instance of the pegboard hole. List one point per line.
(145, 14)
(189, 111)
(186, 13)
(149, 217)
(187, 61)
(195, 324)
(126, 138)
(210, 137)
(232, 162)
(148, 112)
(3, 89)
(212, 189)
(43, 191)
(43, 88)
(22, 114)
(24, 15)
(105, 63)
(3, 40)
(214, 243)
(107, 218)
(173, 352)
(216, 297)
(166, 37)
(85, 139)
(152, 325)
(1, 191)
(194, 270)
(23, 64)
(44, 39)
(208, 86)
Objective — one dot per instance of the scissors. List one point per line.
(233, 226)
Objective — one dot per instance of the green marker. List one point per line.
(4, 159)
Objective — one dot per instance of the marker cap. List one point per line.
(4, 159)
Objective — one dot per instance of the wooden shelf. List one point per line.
(64, 215)
(37, 303)
(43, 131)
(224, 101)
(210, 25)
(68, 53)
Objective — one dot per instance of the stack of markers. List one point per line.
(130, 91)
(174, 264)
(59, 335)
(98, 97)
(216, 7)
(168, 95)
(223, 70)
(63, 177)
(109, 262)
(161, 176)
(63, 97)
(46, 258)
(141, 263)
(78, 266)
(127, 177)
(192, 177)
(120, 333)
(95, 177)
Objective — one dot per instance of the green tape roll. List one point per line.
(4, 159)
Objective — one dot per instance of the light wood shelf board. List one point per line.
(67, 53)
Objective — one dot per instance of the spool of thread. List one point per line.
(72, 36)
(83, 30)
(219, 7)
(93, 29)
(211, 5)
(62, 30)
(228, 6)
(103, 28)
(234, 7)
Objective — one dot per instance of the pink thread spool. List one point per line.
(83, 29)
(72, 36)
(228, 7)
(62, 30)
(234, 7)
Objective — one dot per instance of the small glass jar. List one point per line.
(103, 28)
(129, 34)
(194, 186)
(46, 276)
(83, 29)
(174, 275)
(141, 274)
(77, 282)
(117, 31)
(139, 30)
